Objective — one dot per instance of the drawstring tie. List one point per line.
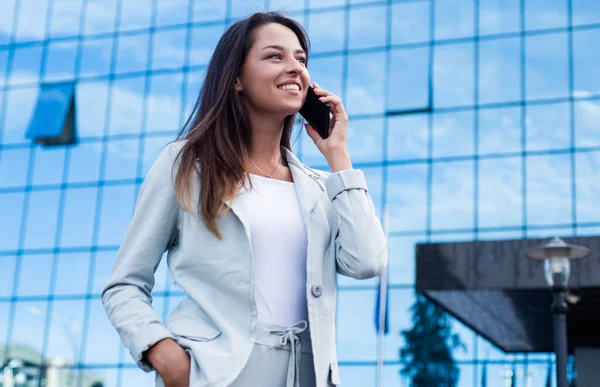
(291, 334)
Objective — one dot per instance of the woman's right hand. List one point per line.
(171, 362)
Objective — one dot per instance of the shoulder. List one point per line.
(164, 164)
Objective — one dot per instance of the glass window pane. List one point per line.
(499, 70)
(549, 190)
(107, 376)
(546, 66)
(164, 103)
(102, 340)
(452, 195)
(325, 3)
(171, 12)
(49, 165)
(100, 16)
(542, 14)
(104, 261)
(326, 31)
(407, 137)
(548, 126)
(204, 42)
(20, 104)
(453, 19)
(11, 208)
(34, 274)
(32, 20)
(587, 116)
(95, 58)
(117, 210)
(84, 162)
(408, 83)
(500, 193)
(402, 257)
(41, 219)
(357, 376)
(14, 165)
(407, 197)
(366, 28)
(356, 337)
(3, 67)
(588, 186)
(499, 16)
(28, 327)
(586, 52)
(122, 159)
(66, 15)
(169, 49)
(410, 22)
(132, 53)
(90, 100)
(6, 21)
(64, 336)
(453, 75)
(209, 10)
(72, 273)
(242, 8)
(327, 72)
(365, 140)
(286, 5)
(7, 277)
(26, 65)
(500, 130)
(60, 61)
(4, 316)
(399, 319)
(366, 84)
(585, 12)
(136, 376)
(135, 16)
(453, 134)
(127, 105)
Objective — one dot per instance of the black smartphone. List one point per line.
(316, 113)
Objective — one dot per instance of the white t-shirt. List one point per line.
(279, 245)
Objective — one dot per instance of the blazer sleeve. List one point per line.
(360, 244)
(126, 297)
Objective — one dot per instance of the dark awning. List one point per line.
(493, 288)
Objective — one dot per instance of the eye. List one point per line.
(277, 56)
(301, 59)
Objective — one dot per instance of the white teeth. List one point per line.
(290, 87)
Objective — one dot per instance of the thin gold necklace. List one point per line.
(270, 174)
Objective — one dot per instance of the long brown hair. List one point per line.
(218, 130)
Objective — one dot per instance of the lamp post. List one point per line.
(557, 256)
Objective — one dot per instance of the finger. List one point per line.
(312, 133)
(337, 104)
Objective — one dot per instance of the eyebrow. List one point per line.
(277, 47)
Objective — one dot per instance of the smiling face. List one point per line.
(274, 79)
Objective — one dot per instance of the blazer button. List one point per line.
(317, 290)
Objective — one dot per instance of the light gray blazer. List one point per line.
(218, 318)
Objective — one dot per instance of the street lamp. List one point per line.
(557, 256)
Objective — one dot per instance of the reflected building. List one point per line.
(473, 120)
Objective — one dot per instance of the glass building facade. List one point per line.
(472, 119)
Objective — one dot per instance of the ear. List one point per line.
(237, 85)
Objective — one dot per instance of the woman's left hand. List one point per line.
(334, 147)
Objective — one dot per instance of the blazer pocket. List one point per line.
(334, 375)
(193, 330)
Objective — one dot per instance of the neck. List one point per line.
(264, 148)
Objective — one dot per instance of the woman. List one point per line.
(254, 237)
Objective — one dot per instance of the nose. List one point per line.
(294, 66)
